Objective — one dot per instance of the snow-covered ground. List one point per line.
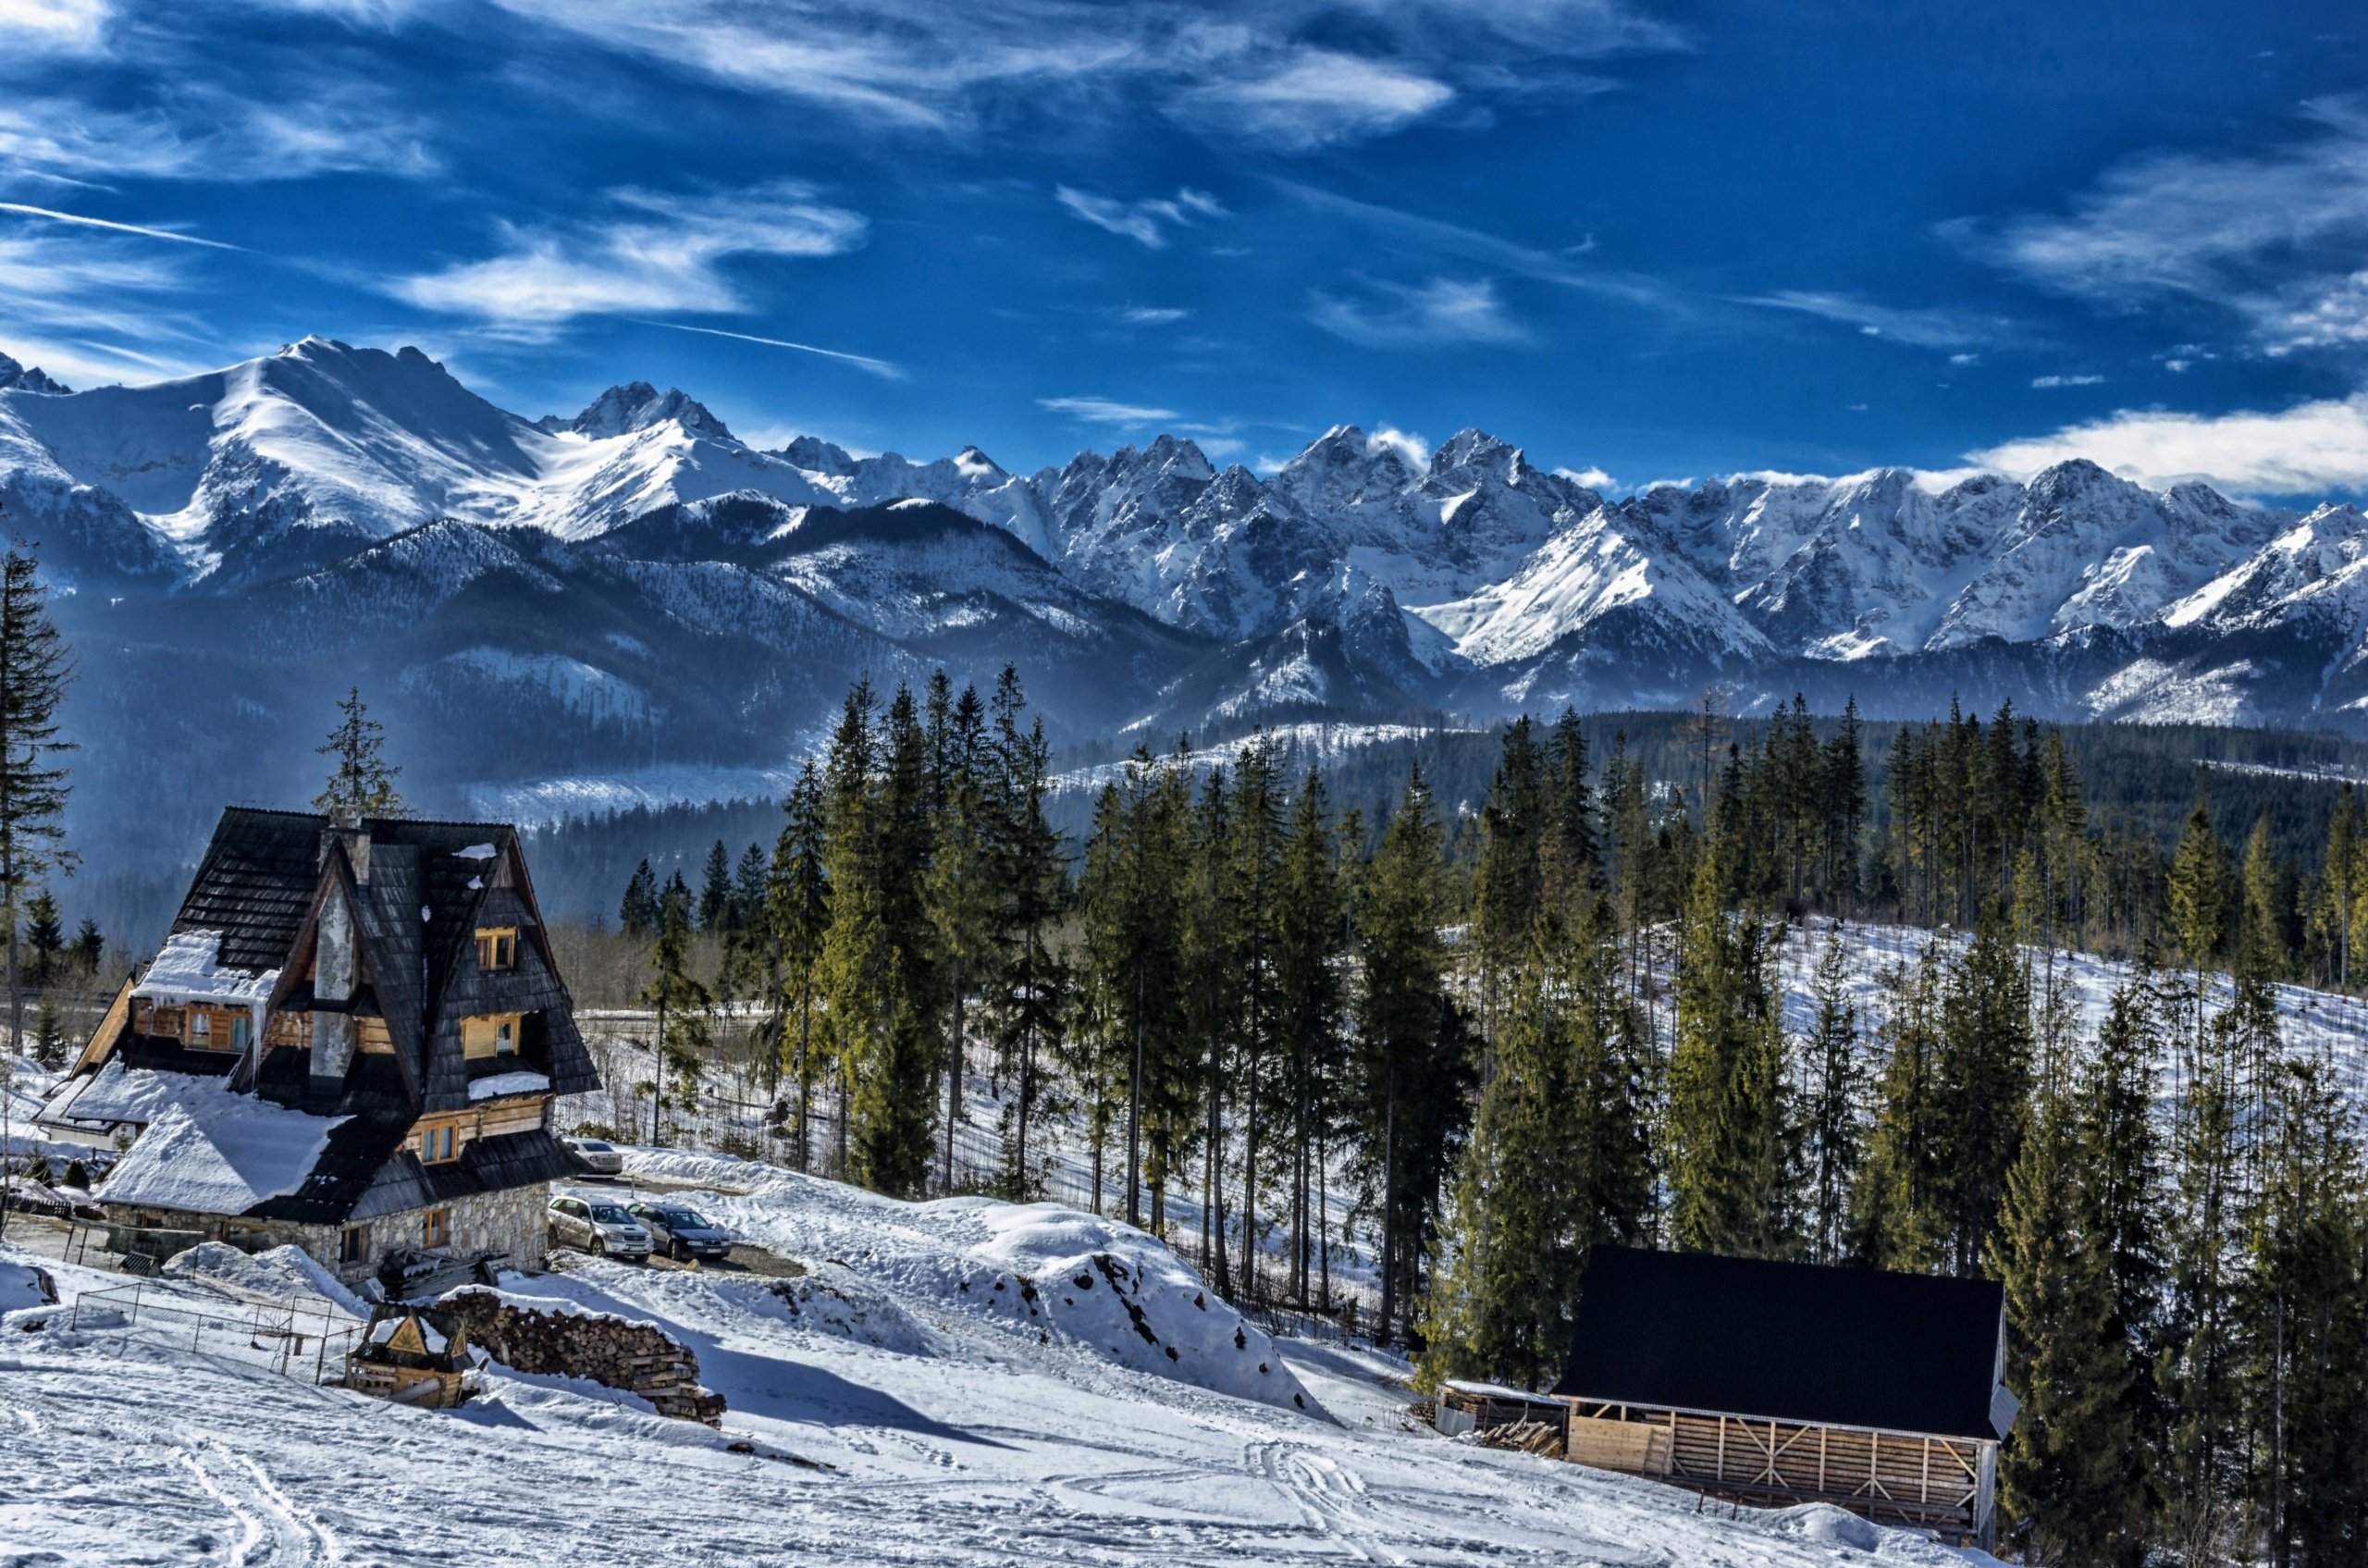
(926, 1424)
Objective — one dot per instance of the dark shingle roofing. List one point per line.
(256, 885)
(1840, 1346)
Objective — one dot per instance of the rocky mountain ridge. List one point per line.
(634, 590)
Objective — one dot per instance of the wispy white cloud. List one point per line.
(1315, 98)
(204, 134)
(1924, 328)
(1147, 222)
(80, 220)
(1287, 75)
(1444, 310)
(78, 306)
(1592, 478)
(2306, 449)
(666, 253)
(1108, 411)
(2273, 236)
(2047, 382)
(1153, 315)
(72, 27)
(1421, 234)
(882, 368)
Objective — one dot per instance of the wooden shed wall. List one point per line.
(1939, 1483)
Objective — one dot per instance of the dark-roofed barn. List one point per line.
(1780, 1383)
(350, 1041)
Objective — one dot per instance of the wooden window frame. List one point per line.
(439, 1142)
(497, 947)
(436, 1228)
(354, 1245)
(489, 1026)
(197, 1028)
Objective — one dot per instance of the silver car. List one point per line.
(599, 1157)
(597, 1227)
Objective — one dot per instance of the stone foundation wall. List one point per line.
(515, 1221)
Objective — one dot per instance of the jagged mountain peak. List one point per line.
(637, 405)
(15, 378)
(818, 456)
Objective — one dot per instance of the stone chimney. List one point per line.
(333, 981)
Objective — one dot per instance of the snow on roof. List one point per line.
(474, 852)
(218, 1153)
(188, 967)
(502, 1083)
(121, 1093)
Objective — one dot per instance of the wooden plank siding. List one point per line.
(1936, 1483)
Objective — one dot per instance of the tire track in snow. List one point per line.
(272, 1530)
(1331, 1496)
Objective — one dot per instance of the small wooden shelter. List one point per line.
(1777, 1383)
(413, 1356)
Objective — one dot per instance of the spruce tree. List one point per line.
(1983, 1077)
(1030, 984)
(1727, 1134)
(2121, 1163)
(1310, 936)
(637, 914)
(798, 899)
(961, 884)
(35, 671)
(1898, 1219)
(1414, 1060)
(90, 947)
(681, 1004)
(2339, 873)
(715, 891)
(44, 936)
(2066, 1479)
(361, 781)
(2305, 1326)
(893, 1112)
(49, 1035)
(1505, 874)
(1836, 1066)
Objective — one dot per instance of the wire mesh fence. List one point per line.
(307, 1340)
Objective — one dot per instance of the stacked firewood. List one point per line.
(1528, 1437)
(637, 1357)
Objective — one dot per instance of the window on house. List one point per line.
(497, 947)
(201, 1029)
(437, 1144)
(354, 1245)
(436, 1228)
(495, 1034)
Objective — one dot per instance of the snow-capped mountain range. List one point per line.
(634, 585)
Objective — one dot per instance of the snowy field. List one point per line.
(893, 1407)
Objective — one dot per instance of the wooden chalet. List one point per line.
(350, 1041)
(1775, 1383)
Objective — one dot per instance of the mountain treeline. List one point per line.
(1474, 1047)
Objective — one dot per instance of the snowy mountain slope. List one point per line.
(645, 600)
(947, 1439)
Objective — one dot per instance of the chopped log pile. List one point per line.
(637, 1357)
(1525, 1437)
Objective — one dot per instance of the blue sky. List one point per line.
(1642, 241)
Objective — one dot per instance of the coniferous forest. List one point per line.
(1473, 1045)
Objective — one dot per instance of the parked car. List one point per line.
(602, 1158)
(599, 1226)
(684, 1232)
